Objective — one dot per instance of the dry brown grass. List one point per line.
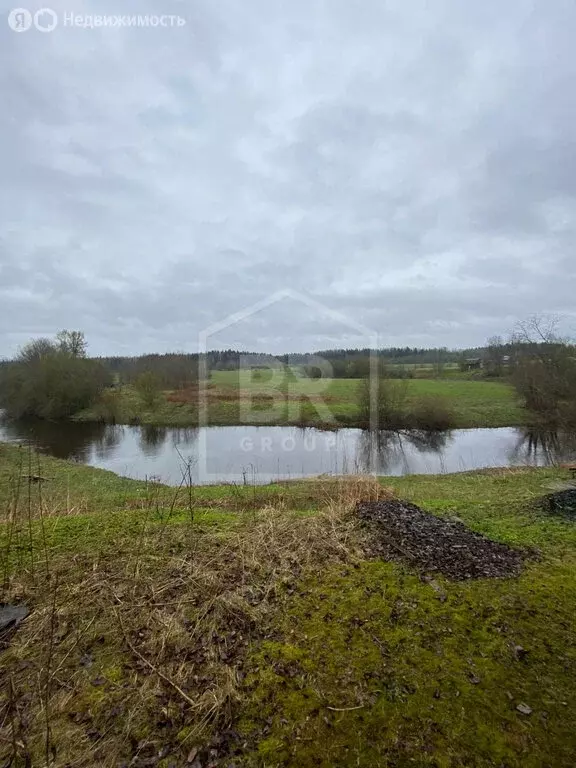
(298, 494)
(218, 393)
(134, 653)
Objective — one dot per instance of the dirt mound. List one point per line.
(560, 503)
(400, 530)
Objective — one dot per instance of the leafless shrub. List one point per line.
(544, 372)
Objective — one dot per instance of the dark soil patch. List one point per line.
(402, 531)
(560, 503)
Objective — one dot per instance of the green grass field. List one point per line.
(244, 626)
(237, 399)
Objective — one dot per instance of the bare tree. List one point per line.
(72, 342)
(439, 363)
(495, 355)
(35, 350)
(538, 329)
(544, 370)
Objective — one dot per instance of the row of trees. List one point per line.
(54, 379)
(174, 370)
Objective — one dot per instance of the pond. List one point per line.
(262, 454)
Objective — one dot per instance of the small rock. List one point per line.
(520, 652)
(86, 660)
(12, 615)
(524, 709)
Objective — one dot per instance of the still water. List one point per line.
(263, 454)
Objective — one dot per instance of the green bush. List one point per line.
(391, 396)
(48, 382)
(395, 412)
(110, 406)
(148, 387)
(431, 413)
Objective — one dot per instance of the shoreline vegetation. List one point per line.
(252, 626)
(234, 401)
(527, 381)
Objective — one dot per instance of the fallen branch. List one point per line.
(148, 663)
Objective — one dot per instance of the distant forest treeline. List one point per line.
(182, 367)
(54, 378)
(180, 370)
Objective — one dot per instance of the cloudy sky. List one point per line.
(410, 165)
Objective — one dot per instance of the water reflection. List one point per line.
(64, 440)
(111, 437)
(532, 445)
(152, 438)
(264, 454)
(385, 450)
(187, 436)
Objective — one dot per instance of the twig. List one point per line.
(148, 663)
(345, 709)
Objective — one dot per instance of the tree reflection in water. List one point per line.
(390, 447)
(65, 440)
(538, 446)
(184, 436)
(107, 440)
(152, 438)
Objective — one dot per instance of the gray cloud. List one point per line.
(411, 165)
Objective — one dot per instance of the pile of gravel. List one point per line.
(560, 503)
(399, 530)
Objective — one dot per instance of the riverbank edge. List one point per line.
(471, 405)
(150, 419)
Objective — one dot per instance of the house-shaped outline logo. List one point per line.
(371, 336)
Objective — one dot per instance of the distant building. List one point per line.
(473, 363)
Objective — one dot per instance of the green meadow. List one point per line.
(260, 397)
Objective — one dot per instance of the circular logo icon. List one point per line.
(19, 20)
(45, 20)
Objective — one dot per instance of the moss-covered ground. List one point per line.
(371, 666)
(244, 626)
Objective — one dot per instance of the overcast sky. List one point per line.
(408, 164)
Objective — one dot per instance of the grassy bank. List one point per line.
(234, 399)
(244, 626)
